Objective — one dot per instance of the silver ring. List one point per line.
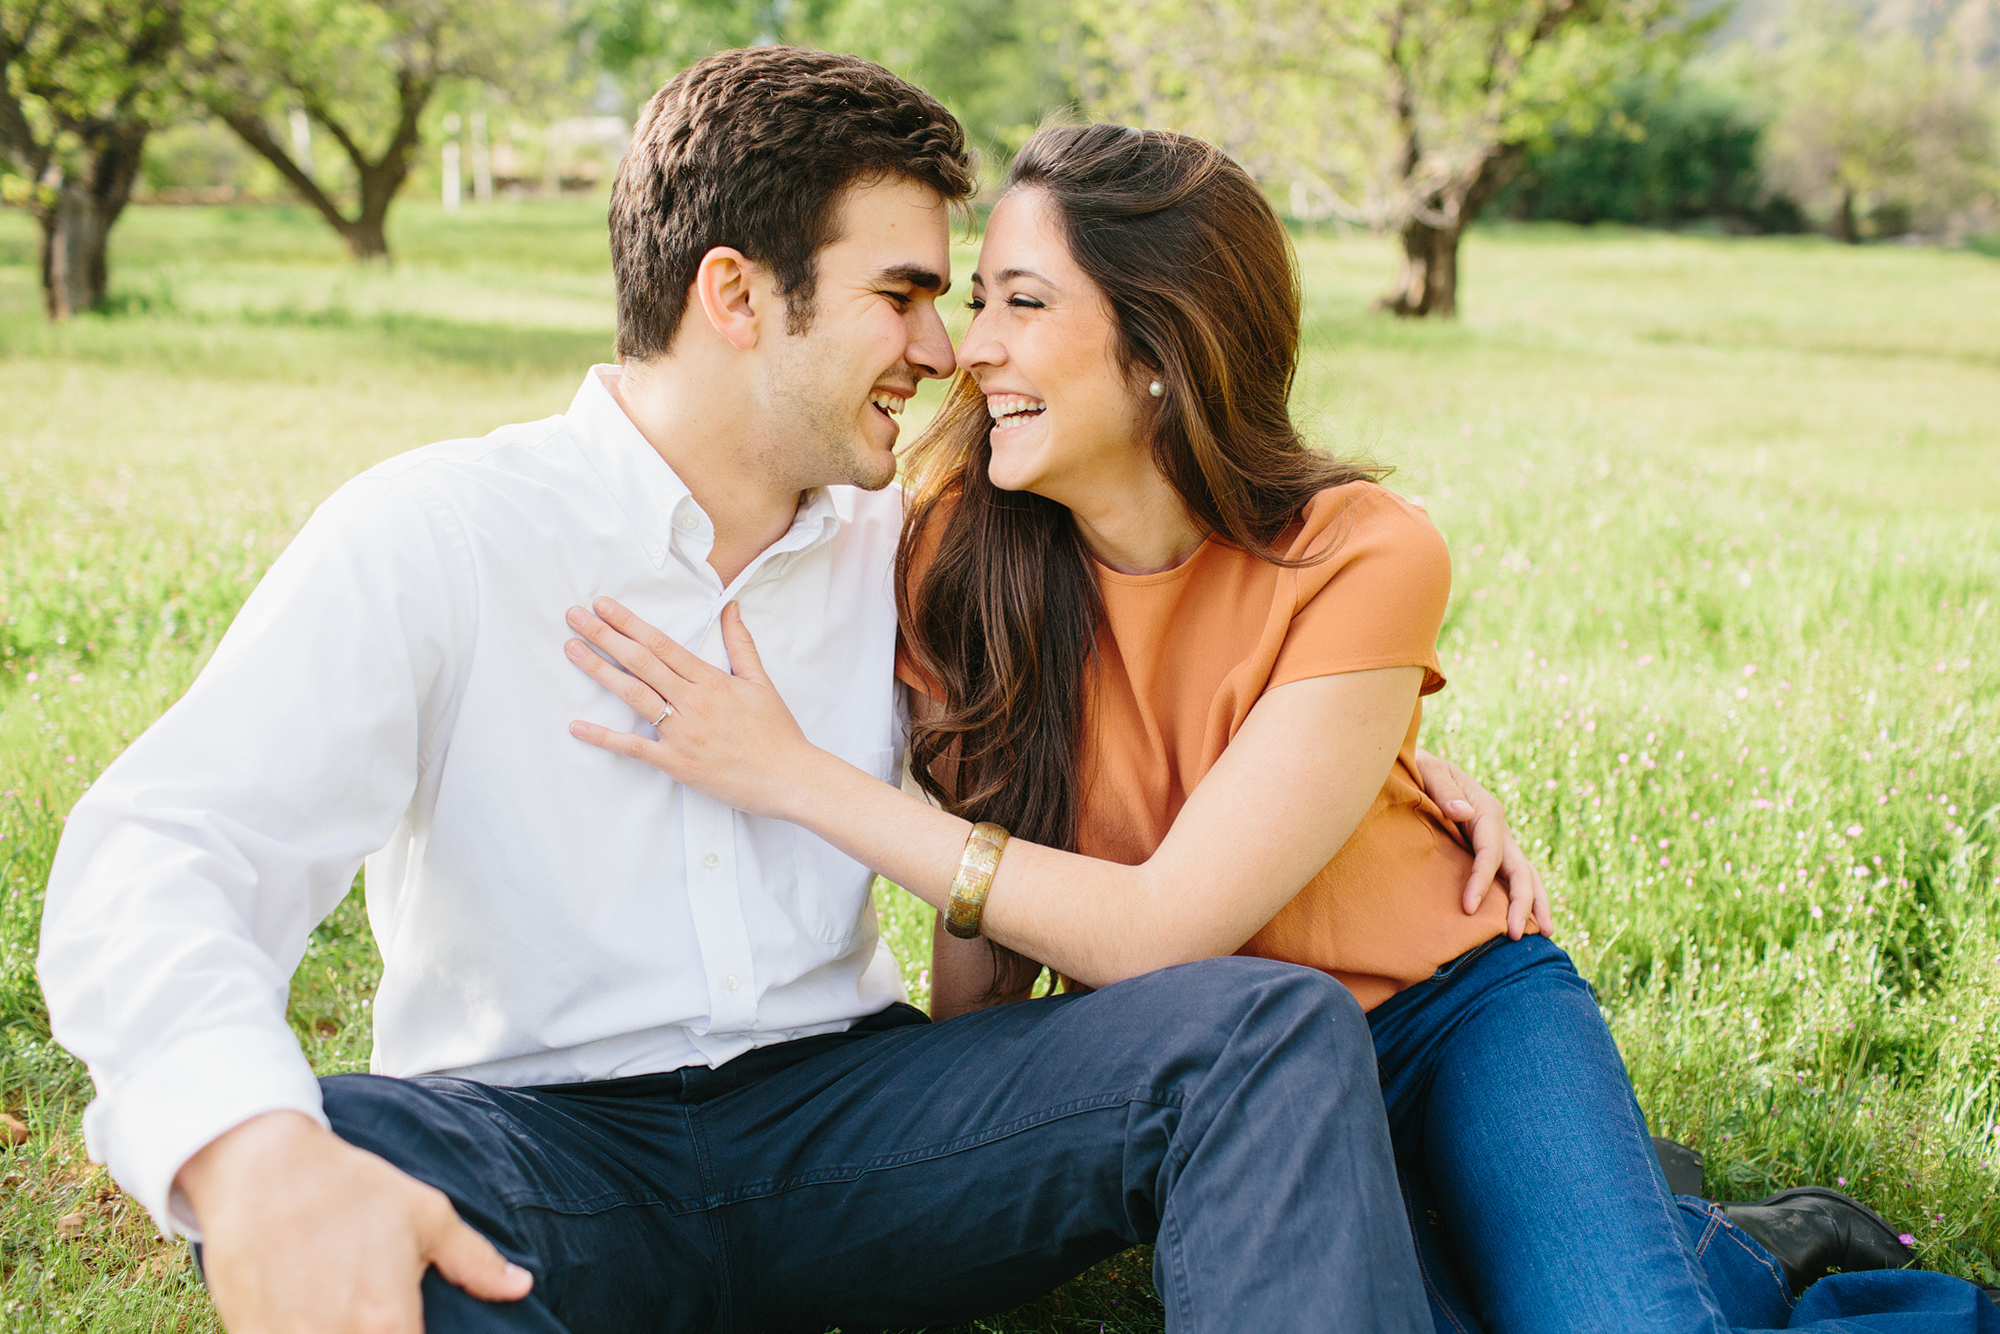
(666, 712)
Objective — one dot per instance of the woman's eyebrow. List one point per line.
(1008, 275)
(917, 276)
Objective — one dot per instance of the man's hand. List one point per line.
(1484, 819)
(302, 1233)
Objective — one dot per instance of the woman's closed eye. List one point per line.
(1019, 302)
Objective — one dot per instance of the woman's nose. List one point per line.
(978, 351)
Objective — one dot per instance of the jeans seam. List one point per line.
(1708, 1230)
(1177, 1268)
(754, 1190)
(591, 1205)
(539, 1196)
(1777, 1275)
(1438, 1303)
(1450, 969)
(1670, 1211)
(717, 1234)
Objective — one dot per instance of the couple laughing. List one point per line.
(641, 1059)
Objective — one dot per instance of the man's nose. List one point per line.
(930, 349)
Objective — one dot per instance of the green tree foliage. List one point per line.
(1402, 114)
(1874, 125)
(82, 83)
(1668, 153)
(1000, 65)
(363, 72)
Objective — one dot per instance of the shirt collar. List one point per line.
(649, 492)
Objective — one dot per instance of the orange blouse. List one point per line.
(1183, 655)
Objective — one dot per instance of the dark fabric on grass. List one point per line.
(906, 1173)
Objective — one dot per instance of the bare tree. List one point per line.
(364, 71)
(1874, 120)
(1408, 115)
(82, 83)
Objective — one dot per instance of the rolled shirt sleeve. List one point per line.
(192, 872)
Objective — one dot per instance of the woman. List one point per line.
(1180, 657)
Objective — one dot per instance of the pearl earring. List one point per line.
(1156, 389)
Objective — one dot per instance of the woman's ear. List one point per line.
(723, 285)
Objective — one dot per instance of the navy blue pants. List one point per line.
(910, 1173)
(1535, 1194)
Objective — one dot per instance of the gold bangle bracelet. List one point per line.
(976, 868)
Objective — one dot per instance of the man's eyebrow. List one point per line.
(917, 276)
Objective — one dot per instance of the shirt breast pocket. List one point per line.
(835, 906)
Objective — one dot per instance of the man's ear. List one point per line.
(724, 284)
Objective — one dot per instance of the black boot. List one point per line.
(1682, 1165)
(1814, 1232)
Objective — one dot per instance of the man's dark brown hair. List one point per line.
(753, 149)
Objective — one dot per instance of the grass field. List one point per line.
(1726, 523)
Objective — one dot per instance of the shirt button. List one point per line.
(689, 522)
(656, 551)
(729, 982)
(711, 861)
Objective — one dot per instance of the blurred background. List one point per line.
(1861, 119)
(1681, 319)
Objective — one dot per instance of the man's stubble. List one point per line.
(814, 440)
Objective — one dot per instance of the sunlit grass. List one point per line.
(1723, 515)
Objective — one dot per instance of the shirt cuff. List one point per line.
(174, 1102)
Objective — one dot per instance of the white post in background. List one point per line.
(302, 141)
(482, 160)
(451, 167)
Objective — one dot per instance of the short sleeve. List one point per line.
(1378, 600)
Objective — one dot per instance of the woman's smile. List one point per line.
(1042, 346)
(1012, 411)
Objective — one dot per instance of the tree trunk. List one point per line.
(73, 266)
(366, 233)
(379, 179)
(76, 228)
(1429, 281)
(1843, 220)
(365, 237)
(1428, 284)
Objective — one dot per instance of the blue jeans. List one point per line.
(910, 1173)
(1534, 1193)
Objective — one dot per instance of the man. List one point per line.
(652, 1065)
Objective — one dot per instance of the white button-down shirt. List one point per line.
(396, 690)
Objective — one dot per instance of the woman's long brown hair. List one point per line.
(1204, 290)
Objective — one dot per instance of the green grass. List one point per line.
(1724, 520)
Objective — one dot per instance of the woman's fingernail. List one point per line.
(574, 648)
(579, 730)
